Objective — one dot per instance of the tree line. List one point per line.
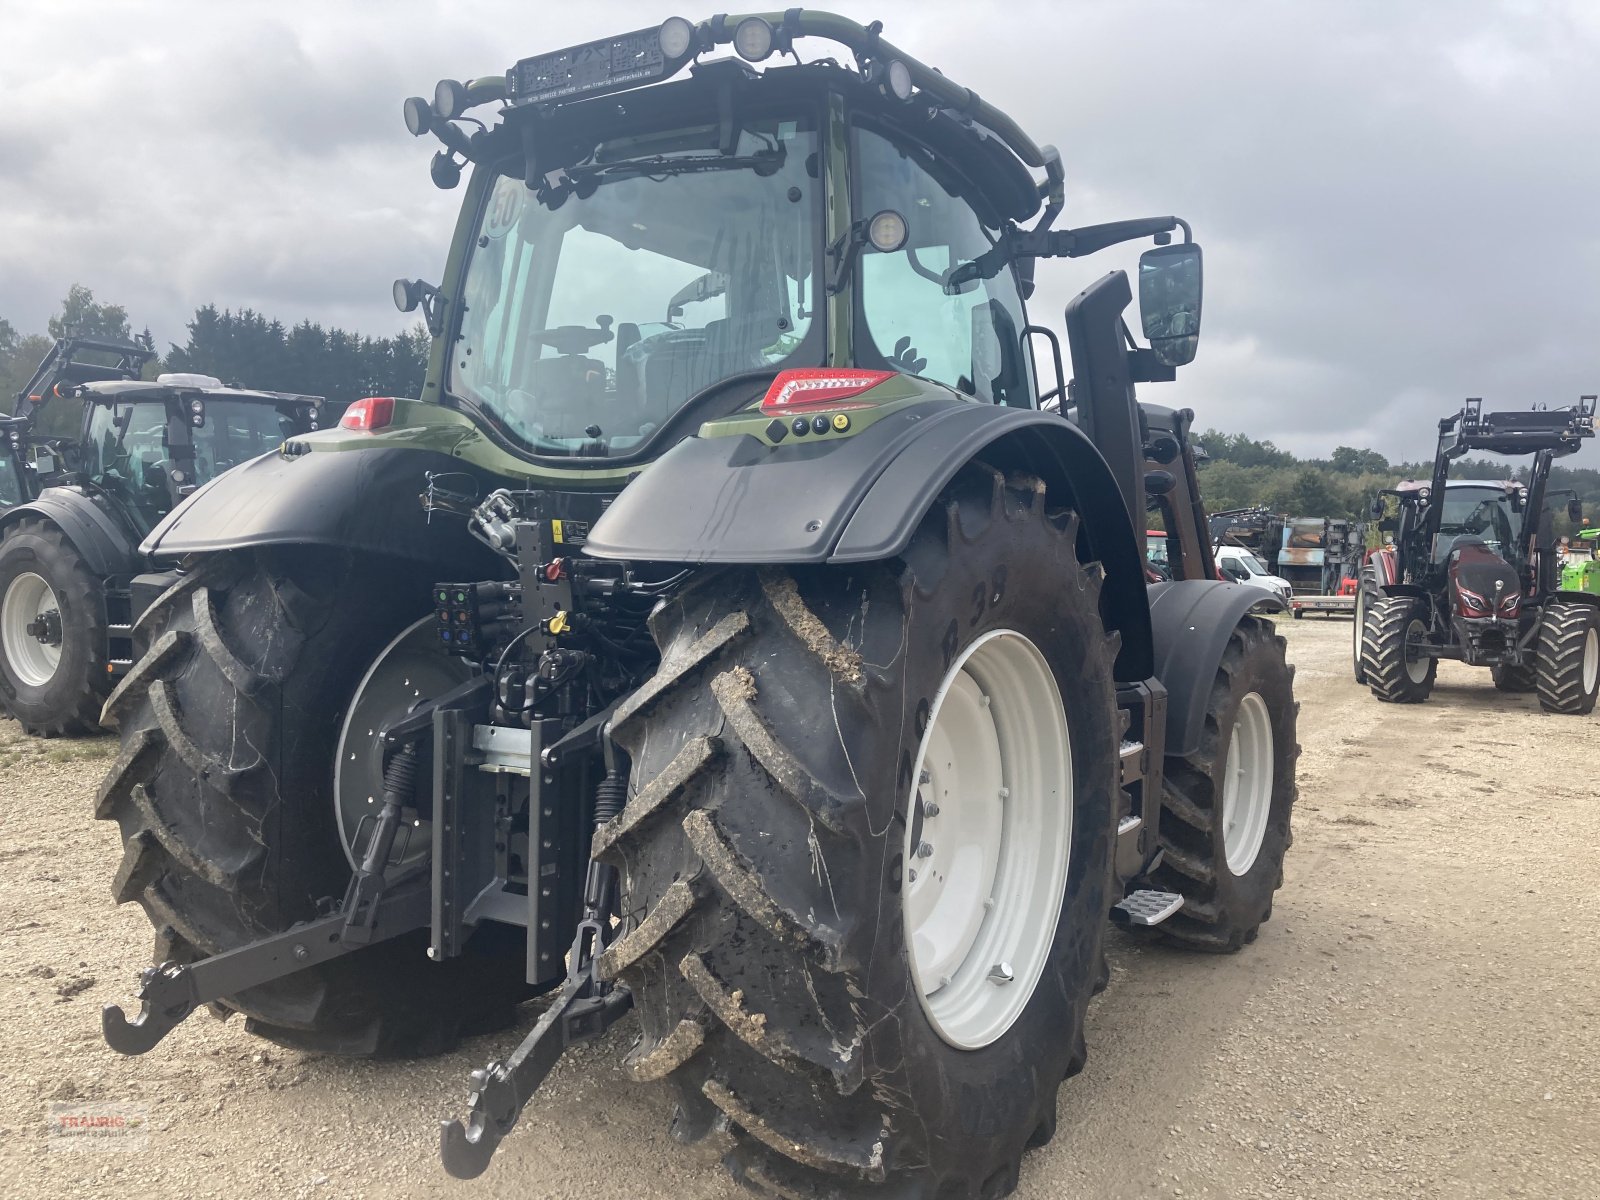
(1241, 472)
(248, 349)
(242, 348)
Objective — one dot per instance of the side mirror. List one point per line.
(1170, 285)
(1377, 508)
(1575, 511)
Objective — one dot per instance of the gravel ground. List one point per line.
(1419, 1018)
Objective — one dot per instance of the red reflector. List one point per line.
(805, 388)
(372, 412)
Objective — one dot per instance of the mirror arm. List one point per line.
(1017, 243)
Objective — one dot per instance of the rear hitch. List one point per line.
(583, 1009)
(375, 909)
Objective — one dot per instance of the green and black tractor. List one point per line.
(736, 630)
(1475, 570)
(91, 458)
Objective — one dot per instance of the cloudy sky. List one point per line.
(1399, 202)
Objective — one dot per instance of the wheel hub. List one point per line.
(988, 835)
(409, 671)
(30, 629)
(47, 629)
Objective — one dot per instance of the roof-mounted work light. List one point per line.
(419, 116)
(450, 99)
(678, 37)
(753, 39)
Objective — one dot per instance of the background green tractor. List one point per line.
(90, 459)
(1580, 564)
(736, 630)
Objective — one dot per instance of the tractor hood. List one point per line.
(1482, 584)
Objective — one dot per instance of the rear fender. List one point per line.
(737, 499)
(368, 501)
(1191, 621)
(105, 546)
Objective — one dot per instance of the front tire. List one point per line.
(224, 795)
(776, 819)
(1226, 808)
(1568, 671)
(1393, 625)
(52, 633)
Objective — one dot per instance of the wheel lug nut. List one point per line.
(925, 850)
(930, 809)
(924, 778)
(1001, 973)
(911, 875)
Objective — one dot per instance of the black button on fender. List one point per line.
(819, 424)
(800, 426)
(777, 431)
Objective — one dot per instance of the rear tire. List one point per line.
(1568, 671)
(1227, 808)
(224, 795)
(1394, 678)
(1366, 593)
(764, 866)
(52, 690)
(1513, 677)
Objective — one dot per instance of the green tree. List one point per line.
(1347, 460)
(80, 314)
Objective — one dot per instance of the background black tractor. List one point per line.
(1474, 571)
(91, 458)
(736, 631)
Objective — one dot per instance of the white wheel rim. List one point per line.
(1247, 784)
(1591, 660)
(27, 600)
(1416, 668)
(988, 835)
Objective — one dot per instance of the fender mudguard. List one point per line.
(364, 500)
(107, 548)
(1588, 598)
(735, 499)
(1191, 621)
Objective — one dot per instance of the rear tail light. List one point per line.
(368, 414)
(805, 389)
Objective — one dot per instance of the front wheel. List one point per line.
(1568, 671)
(1395, 629)
(1225, 824)
(52, 633)
(866, 859)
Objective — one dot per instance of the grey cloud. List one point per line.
(1396, 200)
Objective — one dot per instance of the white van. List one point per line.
(1238, 565)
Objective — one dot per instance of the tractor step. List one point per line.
(1146, 907)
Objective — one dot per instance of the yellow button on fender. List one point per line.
(841, 422)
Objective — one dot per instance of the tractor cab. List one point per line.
(632, 262)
